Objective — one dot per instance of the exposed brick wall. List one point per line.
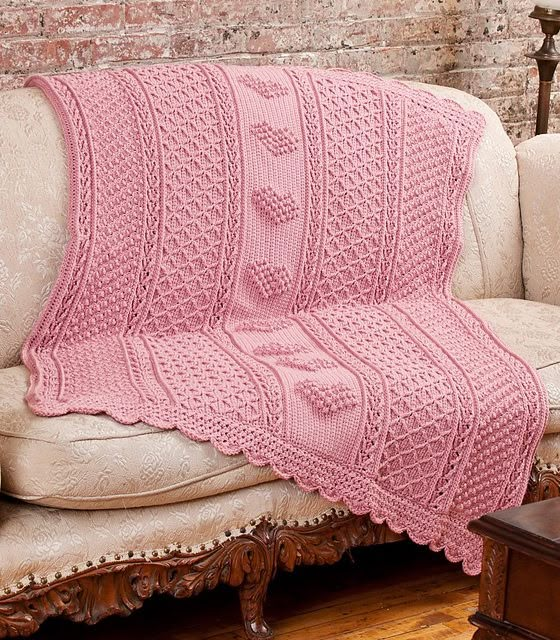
(475, 45)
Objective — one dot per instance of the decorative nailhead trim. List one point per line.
(169, 550)
(541, 465)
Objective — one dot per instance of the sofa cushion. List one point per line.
(532, 331)
(92, 462)
(47, 542)
(33, 201)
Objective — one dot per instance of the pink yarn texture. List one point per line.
(261, 257)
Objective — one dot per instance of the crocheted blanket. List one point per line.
(261, 257)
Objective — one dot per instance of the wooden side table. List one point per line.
(520, 581)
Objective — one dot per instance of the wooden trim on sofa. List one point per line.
(248, 560)
(544, 482)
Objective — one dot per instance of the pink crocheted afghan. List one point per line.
(261, 257)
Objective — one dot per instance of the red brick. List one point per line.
(348, 35)
(481, 28)
(42, 55)
(333, 10)
(444, 6)
(510, 108)
(238, 39)
(129, 48)
(302, 58)
(501, 53)
(140, 16)
(81, 19)
(460, 79)
(421, 30)
(384, 60)
(520, 131)
(521, 26)
(230, 12)
(430, 59)
(494, 82)
(474, 45)
(19, 21)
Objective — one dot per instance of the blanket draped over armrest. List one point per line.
(261, 257)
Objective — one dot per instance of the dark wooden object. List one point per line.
(547, 58)
(520, 582)
(118, 586)
(544, 482)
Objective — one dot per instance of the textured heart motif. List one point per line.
(315, 364)
(328, 398)
(278, 206)
(264, 326)
(279, 141)
(266, 88)
(278, 349)
(271, 280)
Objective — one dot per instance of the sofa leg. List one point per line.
(252, 596)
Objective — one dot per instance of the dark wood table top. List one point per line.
(533, 529)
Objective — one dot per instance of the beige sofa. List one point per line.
(96, 516)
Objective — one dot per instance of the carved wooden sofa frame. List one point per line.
(248, 560)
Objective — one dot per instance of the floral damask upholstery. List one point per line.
(532, 330)
(92, 469)
(33, 193)
(33, 200)
(539, 171)
(92, 462)
(43, 541)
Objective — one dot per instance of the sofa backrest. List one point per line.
(33, 200)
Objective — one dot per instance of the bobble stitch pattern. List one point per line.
(279, 207)
(315, 364)
(266, 88)
(271, 280)
(264, 326)
(279, 141)
(277, 349)
(327, 399)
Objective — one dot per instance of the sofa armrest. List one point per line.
(539, 193)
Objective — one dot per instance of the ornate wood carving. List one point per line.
(544, 482)
(247, 562)
(493, 579)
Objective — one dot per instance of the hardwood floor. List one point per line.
(398, 591)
